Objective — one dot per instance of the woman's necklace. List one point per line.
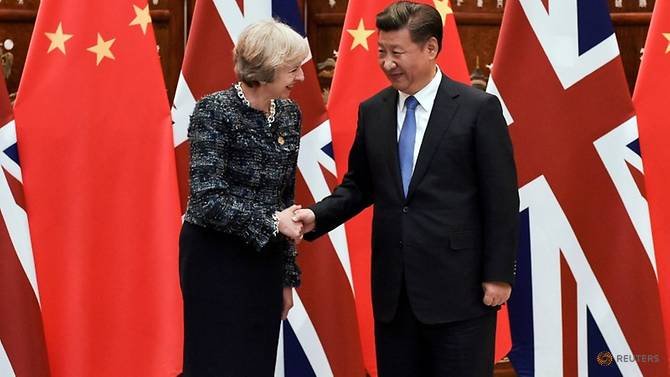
(273, 109)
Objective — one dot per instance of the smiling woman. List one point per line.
(237, 251)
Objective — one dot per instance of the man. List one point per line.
(435, 159)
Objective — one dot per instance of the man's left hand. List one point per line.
(496, 292)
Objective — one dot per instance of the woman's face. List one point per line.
(285, 78)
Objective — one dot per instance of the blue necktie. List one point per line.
(406, 143)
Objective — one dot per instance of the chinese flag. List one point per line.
(100, 181)
(651, 104)
(358, 77)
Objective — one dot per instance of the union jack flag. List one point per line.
(320, 337)
(586, 299)
(22, 348)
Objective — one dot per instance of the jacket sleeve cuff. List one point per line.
(291, 270)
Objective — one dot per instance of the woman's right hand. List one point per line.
(287, 226)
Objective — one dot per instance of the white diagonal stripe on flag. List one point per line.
(5, 366)
(233, 18)
(183, 106)
(309, 339)
(15, 217)
(8, 139)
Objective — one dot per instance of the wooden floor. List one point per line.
(504, 369)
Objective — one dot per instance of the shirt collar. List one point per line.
(425, 96)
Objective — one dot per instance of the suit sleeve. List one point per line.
(499, 196)
(354, 193)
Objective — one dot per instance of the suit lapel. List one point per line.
(443, 111)
(388, 119)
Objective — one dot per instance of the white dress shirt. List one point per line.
(425, 97)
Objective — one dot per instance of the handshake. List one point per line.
(295, 221)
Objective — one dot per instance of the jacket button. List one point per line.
(401, 244)
(405, 209)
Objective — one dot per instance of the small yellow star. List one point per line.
(102, 49)
(58, 39)
(360, 35)
(667, 36)
(443, 7)
(142, 18)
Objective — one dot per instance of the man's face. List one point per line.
(408, 66)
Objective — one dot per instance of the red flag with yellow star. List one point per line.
(653, 119)
(358, 77)
(95, 134)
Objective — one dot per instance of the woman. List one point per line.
(237, 257)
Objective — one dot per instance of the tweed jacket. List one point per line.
(242, 170)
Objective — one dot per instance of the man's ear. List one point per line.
(431, 47)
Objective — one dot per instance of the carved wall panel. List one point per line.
(17, 20)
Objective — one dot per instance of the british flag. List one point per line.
(320, 337)
(586, 299)
(22, 347)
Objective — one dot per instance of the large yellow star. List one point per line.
(443, 7)
(102, 49)
(58, 39)
(142, 18)
(360, 35)
(667, 36)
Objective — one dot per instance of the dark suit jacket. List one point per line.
(458, 225)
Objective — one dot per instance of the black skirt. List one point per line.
(232, 305)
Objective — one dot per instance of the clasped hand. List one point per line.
(295, 221)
